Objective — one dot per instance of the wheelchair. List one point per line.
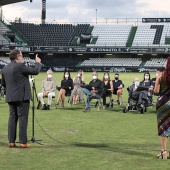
(132, 104)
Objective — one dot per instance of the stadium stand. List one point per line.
(111, 35)
(30, 32)
(151, 35)
(155, 62)
(50, 34)
(86, 35)
(3, 31)
(128, 62)
(8, 36)
(6, 60)
(80, 29)
(60, 61)
(143, 35)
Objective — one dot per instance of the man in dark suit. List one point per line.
(15, 79)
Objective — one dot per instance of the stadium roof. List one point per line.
(6, 2)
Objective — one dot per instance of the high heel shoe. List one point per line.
(57, 103)
(62, 105)
(162, 155)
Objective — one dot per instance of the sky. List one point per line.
(87, 11)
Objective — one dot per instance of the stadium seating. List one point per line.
(115, 35)
(60, 61)
(30, 32)
(128, 62)
(111, 35)
(155, 62)
(3, 31)
(150, 35)
(6, 60)
(50, 34)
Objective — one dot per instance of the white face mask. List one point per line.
(106, 77)
(94, 77)
(49, 76)
(78, 75)
(146, 77)
(136, 84)
(66, 75)
(156, 74)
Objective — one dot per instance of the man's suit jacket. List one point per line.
(15, 79)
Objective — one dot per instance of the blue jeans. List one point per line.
(88, 99)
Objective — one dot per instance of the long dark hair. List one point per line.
(108, 76)
(167, 72)
(144, 76)
(69, 77)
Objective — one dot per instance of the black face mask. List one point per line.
(116, 78)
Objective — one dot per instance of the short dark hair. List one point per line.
(14, 54)
(117, 74)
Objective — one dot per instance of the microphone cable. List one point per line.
(47, 133)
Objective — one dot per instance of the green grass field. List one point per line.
(98, 140)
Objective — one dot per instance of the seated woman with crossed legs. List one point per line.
(65, 89)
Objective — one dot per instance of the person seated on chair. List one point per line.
(147, 82)
(107, 88)
(140, 96)
(77, 92)
(117, 87)
(48, 90)
(96, 87)
(65, 89)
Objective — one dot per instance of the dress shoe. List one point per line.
(25, 145)
(48, 107)
(86, 110)
(44, 107)
(11, 145)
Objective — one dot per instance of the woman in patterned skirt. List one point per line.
(162, 87)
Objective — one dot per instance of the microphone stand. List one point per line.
(33, 110)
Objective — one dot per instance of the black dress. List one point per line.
(106, 92)
(65, 84)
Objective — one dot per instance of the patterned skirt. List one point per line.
(163, 115)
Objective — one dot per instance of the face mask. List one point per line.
(94, 77)
(78, 75)
(106, 77)
(146, 77)
(66, 75)
(116, 78)
(156, 74)
(136, 83)
(49, 76)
